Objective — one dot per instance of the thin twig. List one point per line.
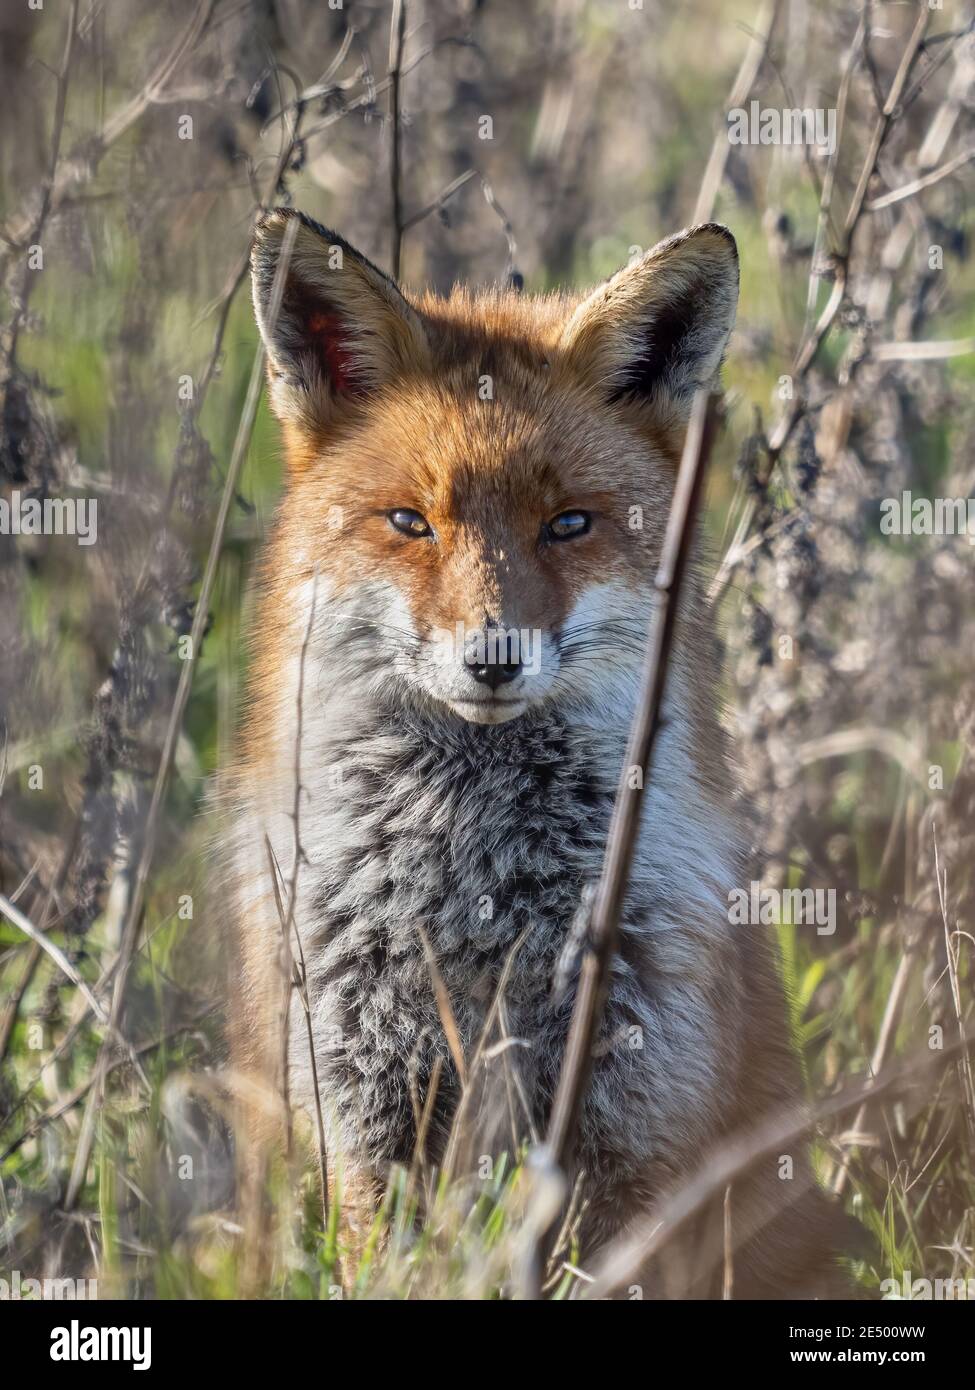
(728, 1282)
(175, 723)
(951, 947)
(441, 199)
(288, 921)
(480, 1050)
(922, 352)
(885, 1038)
(812, 341)
(751, 64)
(19, 991)
(444, 1009)
(68, 1102)
(289, 925)
(39, 939)
(607, 906)
(907, 190)
(824, 219)
(397, 30)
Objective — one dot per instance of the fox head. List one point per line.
(480, 483)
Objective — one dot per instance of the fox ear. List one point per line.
(658, 328)
(334, 326)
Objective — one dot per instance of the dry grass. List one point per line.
(850, 681)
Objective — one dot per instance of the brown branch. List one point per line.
(882, 127)
(911, 95)
(908, 190)
(397, 31)
(858, 47)
(741, 87)
(600, 947)
(809, 349)
(441, 199)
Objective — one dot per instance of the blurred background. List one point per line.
(541, 145)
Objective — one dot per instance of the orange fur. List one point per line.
(490, 414)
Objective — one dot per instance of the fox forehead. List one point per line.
(500, 327)
(487, 475)
(434, 442)
(492, 420)
(489, 441)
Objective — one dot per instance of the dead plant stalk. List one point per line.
(600, 946)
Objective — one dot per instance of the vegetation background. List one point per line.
(476, 140)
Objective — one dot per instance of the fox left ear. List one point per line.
(334, 326)
(657, 330)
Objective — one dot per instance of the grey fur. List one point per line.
(414, 816)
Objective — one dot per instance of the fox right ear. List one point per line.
(334, 326)
(657, 330)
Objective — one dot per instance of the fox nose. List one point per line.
(489, 659)
(495, 673)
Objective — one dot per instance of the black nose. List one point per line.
(495, 673)
(489, 659)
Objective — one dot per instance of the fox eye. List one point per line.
(567, 525)
(411, 523)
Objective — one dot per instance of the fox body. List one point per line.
(447, 644)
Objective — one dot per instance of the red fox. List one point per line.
(447, 644)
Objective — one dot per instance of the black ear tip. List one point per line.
(268, 233)
(270, 226)
(316, 242)
(273, 220)
(715, 229)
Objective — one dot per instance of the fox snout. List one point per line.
(490, 674)
(493, 657)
